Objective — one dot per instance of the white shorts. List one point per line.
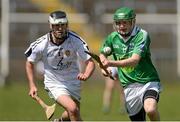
(134, 95)
(70, 88)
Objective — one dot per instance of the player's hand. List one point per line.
(105, 63)
(104, 73)
(33, 91)
(82, 77)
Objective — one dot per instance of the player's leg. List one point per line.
(121, 96)
(134, 102)
(140, 116)
(151, 98)
(63, 93)
(71, 106)
(120, 89)
(107, 96)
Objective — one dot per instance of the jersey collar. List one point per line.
(134, 32)
(51, 38)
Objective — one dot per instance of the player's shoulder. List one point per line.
(142, 35)
(112, 35)
(75, 37)
(41, 40)
(143, 32)
(40, 43)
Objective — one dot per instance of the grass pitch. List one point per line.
(16, 105)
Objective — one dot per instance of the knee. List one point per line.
(73, 110)
(150, 106)
(150, 110)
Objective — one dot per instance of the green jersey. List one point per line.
(137, 43)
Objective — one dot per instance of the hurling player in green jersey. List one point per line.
(130, 47)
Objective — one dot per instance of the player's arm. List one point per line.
(89, 68)
(103, 57)
(141, 48)
(129, 62)
(33, 54)
(30, 76)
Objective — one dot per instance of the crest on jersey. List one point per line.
(67, 53)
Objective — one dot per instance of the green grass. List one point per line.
(15, 104)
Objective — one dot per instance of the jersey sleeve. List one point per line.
(82, 47)
(34, 52)
(142, 44)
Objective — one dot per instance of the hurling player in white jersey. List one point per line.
(59, 50)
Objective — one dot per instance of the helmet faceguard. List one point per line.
(59, 24)
(124, 21)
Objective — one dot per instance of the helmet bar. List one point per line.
(57, 20)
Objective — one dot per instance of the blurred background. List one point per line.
(23, 21)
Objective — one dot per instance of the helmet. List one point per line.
(124, 13)
(59, 24)
(58, 17)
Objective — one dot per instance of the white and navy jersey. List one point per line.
(60, 61)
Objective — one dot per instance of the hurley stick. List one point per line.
(49, 110)
(96, 58)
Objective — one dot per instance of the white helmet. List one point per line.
(58, 17)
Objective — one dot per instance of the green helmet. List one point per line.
(124, 13)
